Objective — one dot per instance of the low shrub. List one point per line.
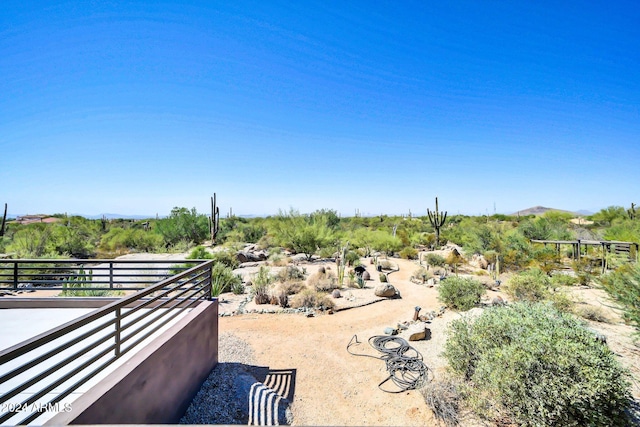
(223, 279)
(383, 277)
(623, 285)
(460, 293)
(290, 273)
(435, 260)
(352, 258)
(408, 253)
(312, 299)
(323, 281)
(592, 313)
(530, 285)
(535, 366)
(443, 398)
(422, 274)
(563, 280)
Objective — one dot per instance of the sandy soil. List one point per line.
(333, 387)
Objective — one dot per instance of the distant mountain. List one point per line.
(539, 210)
(584, 212)
(116, 216)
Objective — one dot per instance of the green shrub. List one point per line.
(535, 366)
(623, 285)
(562, 280)
(460, 293)
(323, 280)
(435, 260)
(223, 279)
(352, 258)
(238, 288)
(383, 277)
(409, 253)
(312, 299)
(530, 285)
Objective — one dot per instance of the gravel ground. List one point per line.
(215, 403)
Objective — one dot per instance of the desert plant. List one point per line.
(595, 314)
(291, 272)
(409, 253)
(460, 293)
(223, 279)
(323, 280)
(537, 367)
(623, 285)
(437, 220)
(559, 280)
(238, 288)
(435, 260)
(422, 274)
(383, 277)
(310, 298)
(443, 398)
(75, 286)
(530, 285)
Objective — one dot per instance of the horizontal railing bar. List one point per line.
(72, 387)
(34, 380)
(166, 291)
(61, 380)
(102, 261)
(145, 336)
(45, 337)
(58, 349)
(138, 319)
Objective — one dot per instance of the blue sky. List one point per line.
(137, 107)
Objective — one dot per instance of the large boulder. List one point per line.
(386, 290)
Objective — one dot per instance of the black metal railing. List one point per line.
(42, 371)
(95, 274)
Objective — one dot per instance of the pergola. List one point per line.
(608, 246)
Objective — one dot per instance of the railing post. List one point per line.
(117, 349)
(209, 293)
(15, 276)
(111, 275)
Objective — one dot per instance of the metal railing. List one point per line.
(40, 372)
(94, 274)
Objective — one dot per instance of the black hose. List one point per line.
(404, 363)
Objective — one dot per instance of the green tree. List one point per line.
(183, 224)
(303, 234)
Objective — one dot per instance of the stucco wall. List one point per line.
(158, 383)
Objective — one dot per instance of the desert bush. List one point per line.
(223, 279)
(261, 287)
(323, 280)
(623, 285)
(435, 260)
(312, 299)
(291, 272)
(385, 264)
(226, 257)
(238, 288)
(460, 293)
(585, 270)
(422, 274)
(383, 277)
(292, 287)
(537, 367)
(352, 258)
(561, 301)
(559, 280)
(443, 398)
(595, 314)
(409, 253)
(530, 285)
(183, 224)
(279, 297)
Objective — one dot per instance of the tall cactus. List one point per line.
(437, 220)
(214, 220)
(4, 220)
(632, 211)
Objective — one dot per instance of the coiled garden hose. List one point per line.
(404, 363)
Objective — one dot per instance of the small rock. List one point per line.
(390, 331)
(336, 293)
(417, 331)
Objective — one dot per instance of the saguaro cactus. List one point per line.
(4, 220)
(632, 211)
(437, 220)
(214, 220)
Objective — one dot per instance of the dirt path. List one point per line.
(333, 387)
